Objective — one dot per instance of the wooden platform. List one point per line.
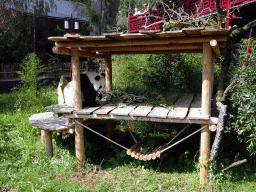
(47, 121)
(187, 40)
(186, 109)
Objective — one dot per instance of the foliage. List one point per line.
(56, 67)
(85, 30)
(242, 98)
(23, 32)
(13, 45)
(107, 168)
(161, 73)
(59, 31)
(101, 13)
(126, 7)
(129, 6)
(31, 68)
(173, 73)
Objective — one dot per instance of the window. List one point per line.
(76, 27)
(66, 24)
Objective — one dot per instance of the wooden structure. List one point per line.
(187, 108)
(195, 7)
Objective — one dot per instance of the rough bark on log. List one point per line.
(219, 133)
(235, 32)
(133, 148)
(235, 164)
(218, 137)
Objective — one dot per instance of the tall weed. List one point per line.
(31, 68)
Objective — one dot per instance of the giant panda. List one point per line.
(92, 88)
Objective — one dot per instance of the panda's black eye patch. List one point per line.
(97, 78)
(100, 87)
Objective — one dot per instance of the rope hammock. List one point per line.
(151, 153)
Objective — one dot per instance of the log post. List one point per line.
(207, 86)
(108, 79)
(110, 129)
(43, 136)
(215, 47)
(108, 72)
(48, 143)
(79, 131)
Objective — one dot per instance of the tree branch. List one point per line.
(243, 29)
(234, 164)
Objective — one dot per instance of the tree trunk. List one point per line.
(223, 89)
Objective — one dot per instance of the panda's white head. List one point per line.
(98, 81)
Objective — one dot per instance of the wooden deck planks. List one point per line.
(180, 108)
(143, 34)
(184, 110)
(161, 112)
(195, 111)
(141, 111)
(87, 111)
(60, 108)
(122, 111)
(158, 112)
(104, 110)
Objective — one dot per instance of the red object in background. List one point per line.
(136, 23)
(248, 49)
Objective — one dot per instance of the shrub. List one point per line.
(56, 68)
(161, 73)
(242, 99)
(128, 71)
(173, 73)
(30, 70)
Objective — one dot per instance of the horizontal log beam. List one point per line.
(66, 51)
(146, 48)
(215, 46)
(210, 121)
(136, 42)
(135, 49)
(159, 52)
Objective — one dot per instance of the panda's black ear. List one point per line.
(103, 74)
(97, 78)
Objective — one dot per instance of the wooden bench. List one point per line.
(48, 122)
(59, 119)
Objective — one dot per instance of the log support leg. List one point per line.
(79, 131)
(80, 150)
(48, 143)
(110, 129)
(43, 136)
(108, 72)
(207, 86)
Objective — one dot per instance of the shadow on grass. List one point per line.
(181, 158)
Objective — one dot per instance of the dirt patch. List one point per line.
(7, 190)
(90, 178)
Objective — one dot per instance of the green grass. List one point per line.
(24, 167)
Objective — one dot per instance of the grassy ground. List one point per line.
(24, 167)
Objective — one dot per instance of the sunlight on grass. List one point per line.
(24, 167)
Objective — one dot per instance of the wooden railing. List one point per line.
(201, 7)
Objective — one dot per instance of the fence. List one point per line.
(8, 71)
